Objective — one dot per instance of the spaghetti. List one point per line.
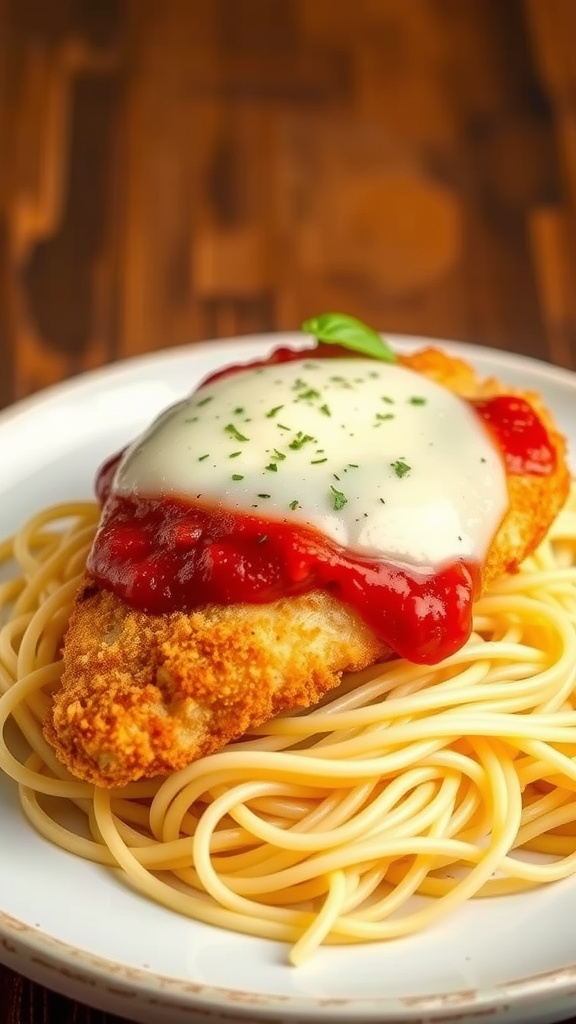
(406, 792)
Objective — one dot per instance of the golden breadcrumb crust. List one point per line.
(145, 695)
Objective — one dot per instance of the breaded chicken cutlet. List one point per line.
(145, 694)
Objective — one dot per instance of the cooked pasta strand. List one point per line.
(446, 784)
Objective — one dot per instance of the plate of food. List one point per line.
(287, 667)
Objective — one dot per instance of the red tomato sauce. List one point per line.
(162, 555)
(519, 434)
(167, 555)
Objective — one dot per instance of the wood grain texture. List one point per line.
(201, 168)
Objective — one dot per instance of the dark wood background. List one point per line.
(172, 170)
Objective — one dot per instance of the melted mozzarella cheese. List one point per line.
(375, 456)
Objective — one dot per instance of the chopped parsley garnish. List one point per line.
(234, 455)
(417, 400)
(316, 462)
(400, 467)
(272, 412)
(238, 411)
(387, 399)
(237, 476)
(278, 455)
(382, 416)
(204, 401)
(325, 409)
(234, 432)
(309, 394)
(262, 495)
(338, 499)
(282, 426)
(294, 505)
(300, 440)
(272, 467)
(202, 457)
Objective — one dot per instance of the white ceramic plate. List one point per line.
(76, 928)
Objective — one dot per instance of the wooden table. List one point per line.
(200, 168)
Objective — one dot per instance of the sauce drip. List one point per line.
(519, 434)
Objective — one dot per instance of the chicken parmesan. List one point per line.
(289, 521)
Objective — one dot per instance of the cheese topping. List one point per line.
(376, 457)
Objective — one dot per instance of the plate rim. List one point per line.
(462, 1006)
(404, 342)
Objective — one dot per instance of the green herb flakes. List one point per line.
(300, 440)
(339, 500)
(235, 433)
(400, 467)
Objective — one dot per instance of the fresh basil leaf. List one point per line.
(341, 329)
